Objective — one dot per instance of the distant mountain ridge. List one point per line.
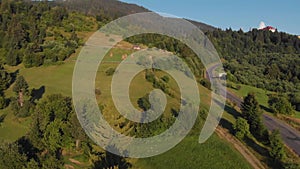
(115, 9)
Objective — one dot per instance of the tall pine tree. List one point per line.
(252, 113)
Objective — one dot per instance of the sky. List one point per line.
(246, 14)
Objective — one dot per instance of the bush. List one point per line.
(19, 111)
(277, 151)
(110, 71)
(150, 77)
(98, 92)
(3, 102)
(144, 102)
(206, 83)
(280, 105)
(241, 128)
(165, 79)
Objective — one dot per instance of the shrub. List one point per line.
(241, 128)
(165, 79)
(206, 83)
(110, 71)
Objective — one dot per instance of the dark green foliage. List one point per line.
(260, 58)
(51, 162)
(158, 83)
(23, 37)
(295, 100)
(277, 151)
(150, 76)
(241, 128)
(32, 164)
(5, 79)
(153, 128)
(55, 123)
(21, 111)
(3, 102)
(280, 105)
(109, 160)
(291, 165)
(165, 79)
(252, 113)
(20, 85)
(104, 10)
(10, 156)
(206, 83)
(21, 105)
(144, 103)
(110, 71)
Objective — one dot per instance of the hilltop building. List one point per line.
(262, 26)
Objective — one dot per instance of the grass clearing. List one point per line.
(189, 154)
(261, 95)
(12, 128)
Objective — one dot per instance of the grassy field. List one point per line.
(189, 154)
(260, 94)
(12, 128)
(297, 115)
(215, 153)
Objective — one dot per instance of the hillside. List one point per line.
(115, 9)
(39, 44)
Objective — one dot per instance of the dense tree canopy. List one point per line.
(241, 128)
(261, 58)
(37, 33)
(252, 113)
(277, 147)
(280, 105)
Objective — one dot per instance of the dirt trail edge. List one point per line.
(247, 154)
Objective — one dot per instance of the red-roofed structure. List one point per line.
(269, 28)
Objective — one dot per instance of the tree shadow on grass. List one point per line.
(2, 117)
(37, 94)
(227, 125)
(229, 109)
(258, 148)
(266, 109)
(263, 152)
(232, 111)
(14, 76)
(110, 160)
(27, 148)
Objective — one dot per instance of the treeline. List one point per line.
(171, 45)
(39, 33)
(262, 59)
(249, 128)
(258, 58)
(108, 9)
(55, 133)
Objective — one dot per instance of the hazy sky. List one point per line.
(245, 14)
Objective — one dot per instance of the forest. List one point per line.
(37, 34)
(259, 58)
(263, 59)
